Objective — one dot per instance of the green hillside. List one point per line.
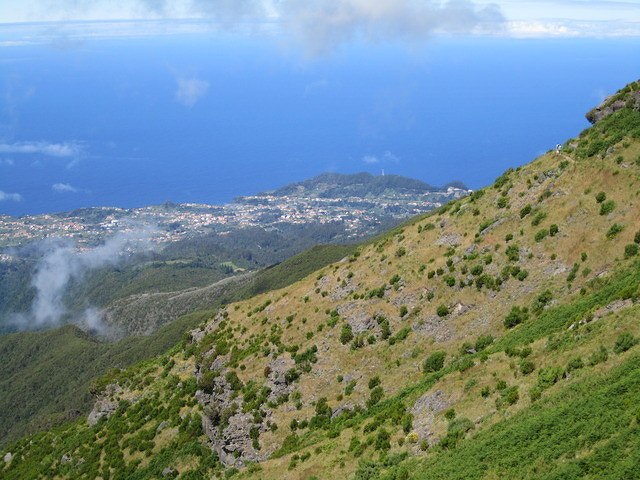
(45, 377)
(494, 338)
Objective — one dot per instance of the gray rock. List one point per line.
(493, 225)
(607, 107)
(276, 381)
(424, 412)
(106, 404)
(450, 239)
(66, 458)
(8, 457)
(469, 250)
(435, 327)
(167, 471)
(614, 306)
(162, 426)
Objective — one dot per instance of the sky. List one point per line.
(383, 17)
(136, 102)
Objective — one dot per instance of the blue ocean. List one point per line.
(203, 118)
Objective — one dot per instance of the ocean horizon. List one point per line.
(198, 118)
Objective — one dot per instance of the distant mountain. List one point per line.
(337, 185)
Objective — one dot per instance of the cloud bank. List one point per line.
(325, 25)
(320, 25)
(60, 264)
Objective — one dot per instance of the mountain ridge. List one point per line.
(332, 185)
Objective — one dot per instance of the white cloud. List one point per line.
(323, 26)
(64, 188)
(544, 28)
(191, 91)
(8, 162)
(43, 148)
(10, 197)
(391, 157)
(386, 157)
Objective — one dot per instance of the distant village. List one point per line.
(171, 222)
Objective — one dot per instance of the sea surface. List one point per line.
(202, 118)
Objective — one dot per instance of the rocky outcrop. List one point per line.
(276, 381)
(106, 404)
(424, 412)
(433, 326)
(234, 444)
(628, 97)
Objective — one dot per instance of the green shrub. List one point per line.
(476, 270)
(383, 441)
(435, 362)
(575, 364)
(513, 253)
(207, 381)
(538, 218)
(601, 197)
(526, 210)
(503, 202)
(636, 237)
(614, 230)
(350, 387)
(376, 395)
(483, 341)
(630, 250)
(553, 229)
(527, 367)
(548, 376)
(400, 252)
(598, 356)
(442, 310)
(607, 207)
(572, 274)
(508, 396)
(541, 301)
(465, 364)
(516, 316)
(346, 335)
(541, 234)
(624, 342)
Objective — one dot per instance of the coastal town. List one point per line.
(170, 222)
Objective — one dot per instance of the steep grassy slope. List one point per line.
(494, 338)
(45, 376)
